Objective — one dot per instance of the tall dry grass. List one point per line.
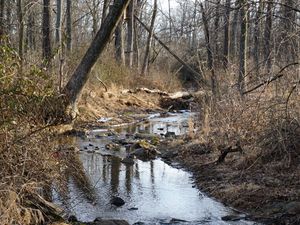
(265, 122)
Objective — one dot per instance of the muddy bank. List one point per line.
(268, 193)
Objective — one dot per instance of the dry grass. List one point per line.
(266, 123)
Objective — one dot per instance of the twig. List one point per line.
(271, 79)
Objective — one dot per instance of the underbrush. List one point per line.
(27, 164)
(265, 124)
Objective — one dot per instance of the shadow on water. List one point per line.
(153, 191)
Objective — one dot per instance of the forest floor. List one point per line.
(265, 192)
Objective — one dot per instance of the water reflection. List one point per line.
(159, 191)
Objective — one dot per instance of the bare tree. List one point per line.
(210, 60)
(58, 22)
(257, 31)
(69, 25)
(243, 46)
(78, 79)
(267, 37)
(226, 34)
(46, 32)
(149, 40)
(130, 33)
(21, 29)
(1, 18)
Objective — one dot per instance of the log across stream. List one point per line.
(153, 191)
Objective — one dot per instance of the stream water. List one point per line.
(154, 192)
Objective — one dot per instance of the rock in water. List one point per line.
(117, 201)
(109, 222)
(128, 161)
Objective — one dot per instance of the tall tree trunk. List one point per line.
(119, 43)
(226, 34)
(1, 18)
(104, 10)
(210, 60)
(46, 41)
(216, 31)
(267, 37)
(149, 40)
(243, 46)
(58, 22)
(170, 21)
(30, 32)
(130, 33)
(233, 35)
(78, 79)
(69, 25)
(21, 29)
(257, 31)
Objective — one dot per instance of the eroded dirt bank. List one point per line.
(267, 193)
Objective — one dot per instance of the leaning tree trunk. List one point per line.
(80, 76)
(149, 40)
(46, 40)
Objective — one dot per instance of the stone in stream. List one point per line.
(117, 201)
(175, 220)
(108, 222)
(72, 218)
(128, 160)
(113, 146)
(232, 218)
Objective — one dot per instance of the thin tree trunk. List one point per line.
(46, 40)
(69, 25)
(119, 43)
(198, 77)
(78, 79)
(104, 10)
(21, 30)
(267, 37)
(226, 34)
(149, 40)
(233, 36)
(210, 60)
(1, 19)
(30, 32)
(216, 31)
(256, 47)
(130, 33)
(58, 22)
(243, 47)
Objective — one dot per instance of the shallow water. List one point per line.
(154, 192)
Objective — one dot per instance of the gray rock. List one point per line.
(110, 222)
(128, 160)
(72, 218)
(232, 218)
(117, 201)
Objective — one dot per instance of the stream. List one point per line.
(154, 192)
